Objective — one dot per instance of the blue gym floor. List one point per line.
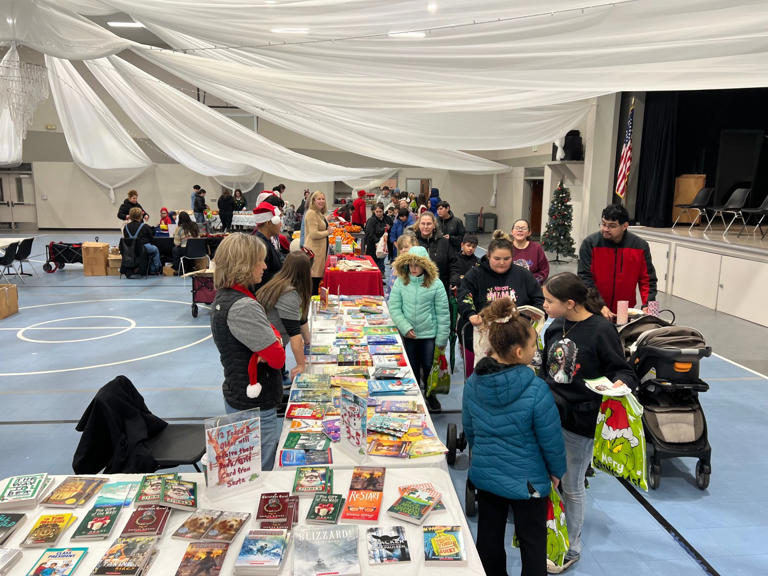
(74, 333)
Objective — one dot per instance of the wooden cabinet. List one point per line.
(686, 188)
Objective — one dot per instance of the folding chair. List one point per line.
(761, 211)
(197, 249)
(6, 260)
(734, 206)
(699, 204)
(22, 255)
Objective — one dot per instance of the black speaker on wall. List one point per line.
(741, 163)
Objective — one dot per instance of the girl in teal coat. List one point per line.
(418, 306)
(513, 429)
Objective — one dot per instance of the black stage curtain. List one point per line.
(656, 178)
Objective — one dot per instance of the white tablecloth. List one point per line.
(247, 219)
(5, 242)
(172, 550)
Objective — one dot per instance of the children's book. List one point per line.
(325, 509)
(305, 410)
(388, 424)
(147, 520)
(9, 523)
(354, 416)
(414, 504)
(354, 358)
(197, 524)
(8, 558)
(311, 395)
(444, 545)
(273, 506)
(97, 523)
(390, 448)
(181, 494)
(321, 359)
(332, 428)
(349, 381)
(74, 491)
(389, 360)
(128, 556)
(387, 545)
(365, 494)
(402, 387)
(391, 373)
(379, 331)
(306, 441)
(47, 530)
(292, 457)
(386, 349)
(422, 486)
(58, 562)
(202, 558)
(151, 488)
(426, 447)
(326, 550)
(23, 491)
(311, 480)
(382, 339)
(226, 526)
(410, 406)
(535, 316)
(298, 425)
(322, 349)
(605, 387)
(262, 552)
(116, 493)
(312, 381)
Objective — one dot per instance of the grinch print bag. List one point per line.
(557, 531)
(620, 440)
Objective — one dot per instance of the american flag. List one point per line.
(626, 158)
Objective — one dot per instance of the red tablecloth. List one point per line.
(365, 282)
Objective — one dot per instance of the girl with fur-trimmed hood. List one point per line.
(419, 308)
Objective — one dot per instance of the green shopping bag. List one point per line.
(439, 380)
(557, 531)
(620, 440)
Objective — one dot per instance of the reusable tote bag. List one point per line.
(557, 531)
(439, 379)
(620, 439)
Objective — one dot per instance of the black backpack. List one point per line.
(133, 254)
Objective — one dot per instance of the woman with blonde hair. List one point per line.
(250, 348)
(316, 236)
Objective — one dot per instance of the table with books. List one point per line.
(302, 522)
(358, 402)
(353, 275)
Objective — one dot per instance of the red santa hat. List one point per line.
(266, 212)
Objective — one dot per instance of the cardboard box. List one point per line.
(9, 300)
(113, 271)
(95, 258)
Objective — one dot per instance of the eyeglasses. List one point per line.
(609, 225)
(520, 228)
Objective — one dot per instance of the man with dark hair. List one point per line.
(375, 228)
(268, 225)
(453, 228)
(616, 262)
(195, 190)
(199, 207)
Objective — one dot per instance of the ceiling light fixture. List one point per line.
(125, 24)
(289, 30)
(407, 34)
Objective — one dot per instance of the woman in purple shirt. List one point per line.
(528, 254)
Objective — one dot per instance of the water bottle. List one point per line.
(337, 248)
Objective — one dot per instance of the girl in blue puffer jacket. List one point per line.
(513, 429)
(419, 308)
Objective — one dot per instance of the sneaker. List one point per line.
(433, 404)
(570, 559)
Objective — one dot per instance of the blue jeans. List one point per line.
(420, 352)
(154, 258)
(578, 454)
(270, 434)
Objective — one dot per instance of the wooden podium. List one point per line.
(686, 188)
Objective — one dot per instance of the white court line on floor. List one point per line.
(185, 302)
(198, 327)
(755, 372)
(144, 389)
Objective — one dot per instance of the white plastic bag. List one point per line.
(381, 246)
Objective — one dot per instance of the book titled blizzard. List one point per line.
(328, 551)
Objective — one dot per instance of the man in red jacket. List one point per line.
(359, 216)
(617, 262)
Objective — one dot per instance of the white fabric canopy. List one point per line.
(99, 144)
(201, 138)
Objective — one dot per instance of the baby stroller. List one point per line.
(666, 359)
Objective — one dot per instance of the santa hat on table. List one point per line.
(266, 212)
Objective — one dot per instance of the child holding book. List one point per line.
(579, 344)
(512, 427)
(418, 306)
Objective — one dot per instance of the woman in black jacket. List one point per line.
(429, 236)
(375, 228)
(132, 201)
(226, 205)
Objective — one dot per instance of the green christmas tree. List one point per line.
(557, 236)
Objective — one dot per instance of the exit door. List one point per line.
(17, 201)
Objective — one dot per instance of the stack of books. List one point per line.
(203, 558)
(24, 491)
(128, 556)
(263, 552)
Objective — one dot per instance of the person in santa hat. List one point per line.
(358, 212)
(268, 226)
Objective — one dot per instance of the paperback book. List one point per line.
(423, 486)
(444, 545)
(9, 523)
(389, 360)
(116, 493)
(298, 425)
(389, 448)
(58, 562)
(414, 504)
(151, 488)
(387, 545)
(74, 491)
(363, 503)
(294, 457)
(8, 558)
(306, 441)
(24, 491)
(382, 339)
(386, 349)
(387, 424)
(262, 552)
(332, 428)
(147, 520)
(202, 558)
(226, 526)
(326, 550)
(311, 480)
(128, 556)
(401, 387)
(312, 381)
(197, 524)
(311, 395)
(180, 494)
(391, 374)
(305, 410)
(291, 517)
(325, 509)
(379, 331)
(47, 530)
(98, 523)
(410, 406)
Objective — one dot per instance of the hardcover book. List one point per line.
(97, 523)
(306, 441)
(197, 524)
(326, 550)
(151, 488)
(74, 491)
(226, 526)
(47, 530)
(387, 545)
(23, 491)
(9, 523)
(128, 556)
(305, 457)
(325, 509)
(180, 494)
(202, 558)
(58, 562)
(313, 480)
(444, 545)
(414, 504)
(147, 520)
(263, 551)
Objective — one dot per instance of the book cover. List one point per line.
(410, 406)
(444, 545)
(74, 491)
(414, 504)
(322, 349)
(325, 509)
(226, 526)
(354, 410)
(312, 381)
(391, 373)
(401, 387)
(58, 562)
(389, 448)
(291, 517)
(426, 447)
(273, 506)
(146, 520)
(349, 381)
(423, 485)
(332, 428)
(128, 556)
(387, 545)
(97, 523)
(298, 425)
(23, 490)
(306, 441)
(116, 493)
(8, 558)
(180, 494)
(321, 359)
(305, 410)
(48, 529)
(381, 339)
(305, 457)
(326, 550)
(151, 488)
(389, 360)
(264, 549)
(9, 523)
(362, 506)
(388, 424)
(385, 349)
(379, 331)
(197, 524)
(202, 558)
(313, 480)
(311, 395)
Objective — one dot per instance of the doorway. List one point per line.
(17, 201)
(537, 195)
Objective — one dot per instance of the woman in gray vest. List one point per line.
(250, 348)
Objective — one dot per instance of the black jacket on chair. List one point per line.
(115, 426)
